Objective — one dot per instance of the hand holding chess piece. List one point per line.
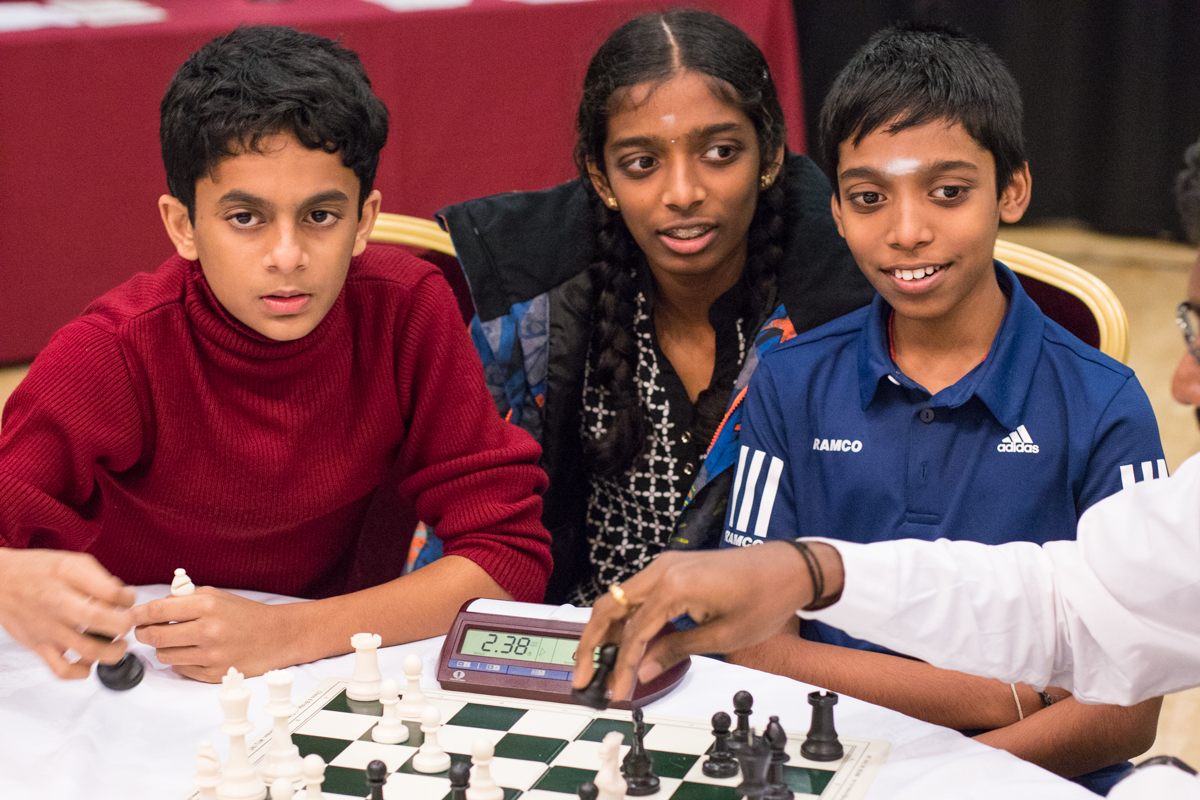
(595, 694)
(50, 598)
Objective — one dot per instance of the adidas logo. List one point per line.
(1017, 442)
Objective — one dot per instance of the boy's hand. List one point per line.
(213, 631)
(738, 597)
(49, 597)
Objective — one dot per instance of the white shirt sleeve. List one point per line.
(1113, 616)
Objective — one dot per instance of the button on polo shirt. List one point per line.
(836, 441)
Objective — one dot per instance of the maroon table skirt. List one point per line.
(482, 100)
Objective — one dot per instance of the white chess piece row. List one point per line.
(237, 779)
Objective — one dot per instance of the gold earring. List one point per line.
(612, 203)
(765, 181)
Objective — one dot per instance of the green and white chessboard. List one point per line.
(543, 750)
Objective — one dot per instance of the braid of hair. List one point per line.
(613, 349)
(764, 257)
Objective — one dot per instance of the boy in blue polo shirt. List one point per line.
(951, 407)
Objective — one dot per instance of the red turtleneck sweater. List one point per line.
(156, 431)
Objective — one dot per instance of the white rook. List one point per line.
(364, 683)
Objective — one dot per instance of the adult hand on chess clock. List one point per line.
(49, 597)
(737, 597)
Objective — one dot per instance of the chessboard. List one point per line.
(543, 750)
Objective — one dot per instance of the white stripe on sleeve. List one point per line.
(751, 483)
(737, 483)
(768, 497)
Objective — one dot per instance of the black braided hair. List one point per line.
(655, 48)
(1187, 193)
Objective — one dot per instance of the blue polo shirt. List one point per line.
(837, 442)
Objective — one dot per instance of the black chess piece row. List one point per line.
(460, 779)
(761, 759)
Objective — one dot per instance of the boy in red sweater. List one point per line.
(241, 410)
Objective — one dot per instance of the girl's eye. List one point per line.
(949, 192)
(720, 152)
(640, 164)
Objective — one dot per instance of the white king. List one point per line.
(283, 757)
(239, 781)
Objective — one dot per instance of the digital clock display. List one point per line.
(519, 647)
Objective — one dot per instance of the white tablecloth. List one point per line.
(76, 740)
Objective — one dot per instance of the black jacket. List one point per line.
(525, 255)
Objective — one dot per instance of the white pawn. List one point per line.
(314, 776)
(431, 757)
(483, 786)
(208, 772)
(609, 779)
(391, 729)
(364, 683)
(414, 703)
(282, 789)
(181, 584)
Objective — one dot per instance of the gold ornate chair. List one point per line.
(1072, 297)
(426, 240)
(412, 231)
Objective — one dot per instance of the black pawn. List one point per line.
(123, 675)
(376, 778)
(595, 694)
(755, 759)
(777, 788)
(822, 743)
(638, 766)
(743, 702)
(460, 780)
(588, 791)
(720, 762)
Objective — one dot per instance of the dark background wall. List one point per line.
(1111, 91)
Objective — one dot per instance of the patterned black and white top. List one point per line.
(630, 518)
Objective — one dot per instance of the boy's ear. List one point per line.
(1015, 197)
(836, 208)
(366, 221)
(599, 181)
(179, 226)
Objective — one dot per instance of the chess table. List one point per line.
(78, 739)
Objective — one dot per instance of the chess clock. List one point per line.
(526, 650)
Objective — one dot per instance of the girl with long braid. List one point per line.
(620, 315)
